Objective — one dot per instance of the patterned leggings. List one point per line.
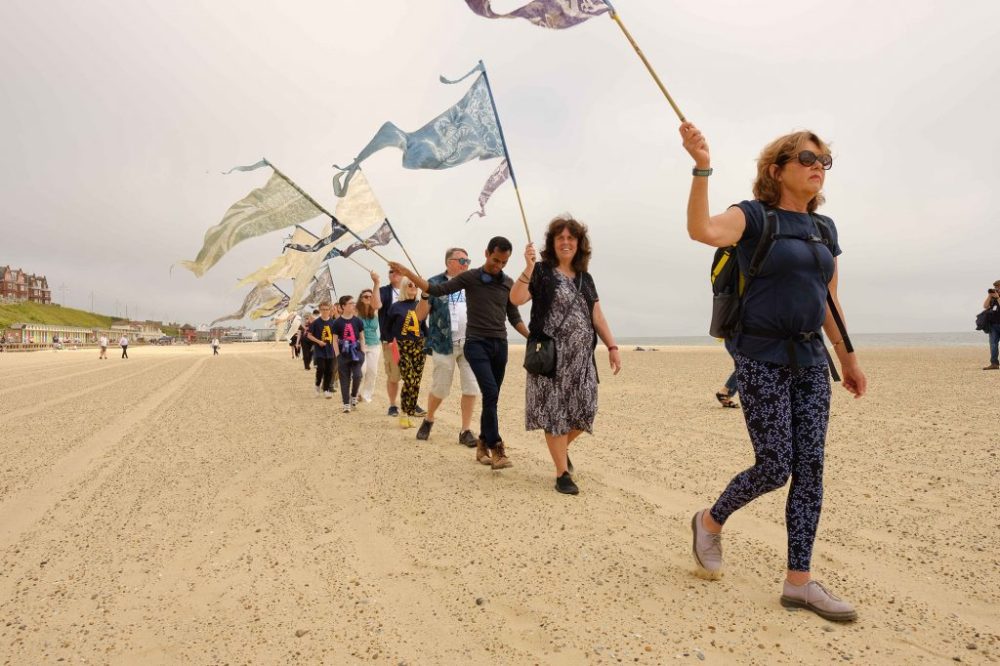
(411, 370)
(786, 413)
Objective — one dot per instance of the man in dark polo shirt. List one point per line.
(487, 295)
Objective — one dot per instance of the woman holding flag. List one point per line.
(781, 363)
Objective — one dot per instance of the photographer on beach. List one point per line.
(992, 303)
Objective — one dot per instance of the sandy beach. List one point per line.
(184, 509)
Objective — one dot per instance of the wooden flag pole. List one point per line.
(400, 243)
(319, 206)
(617, 19)
(358, 263)
(506, 154)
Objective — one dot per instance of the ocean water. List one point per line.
(860, 340)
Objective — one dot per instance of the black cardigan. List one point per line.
(543, 290)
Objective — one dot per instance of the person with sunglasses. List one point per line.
(368, 309)
(784, 379)
(487, 291)
(388, 295)
(446, 319)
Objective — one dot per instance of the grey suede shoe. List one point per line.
(813, 596)
(707, 549)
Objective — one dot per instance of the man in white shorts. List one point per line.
(446, 318)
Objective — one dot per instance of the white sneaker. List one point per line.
(354, 403)
(347, 409)
(327, 394)
(319, 391)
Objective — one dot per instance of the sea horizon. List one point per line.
(860, 340)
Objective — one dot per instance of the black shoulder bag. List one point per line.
(540, 353)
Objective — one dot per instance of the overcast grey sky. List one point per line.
(119, 117)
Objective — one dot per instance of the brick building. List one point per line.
(18, 286)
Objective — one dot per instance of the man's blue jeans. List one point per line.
(995, 344)
(488, 359)
(732, 388)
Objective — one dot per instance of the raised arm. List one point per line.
(519, 293)
(416, 279)
(376, 297)
(423, 307)
(715, 230)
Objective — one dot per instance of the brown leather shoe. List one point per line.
(482, 453)
(500, 459)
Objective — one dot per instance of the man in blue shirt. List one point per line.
(446, 318)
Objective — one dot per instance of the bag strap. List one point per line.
(768, 235)
(825, 235)
(576, 288)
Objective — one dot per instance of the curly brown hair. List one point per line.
(577, 229)
(779, 152)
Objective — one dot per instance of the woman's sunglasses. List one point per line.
(807, 158)
(464, 261)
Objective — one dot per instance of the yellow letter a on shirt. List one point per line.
(411, 325)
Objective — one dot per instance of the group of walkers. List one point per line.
(782, 369)
(459, 318)
(102, 342)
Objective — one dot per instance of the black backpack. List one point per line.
(729, 284)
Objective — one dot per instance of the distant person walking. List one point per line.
(102, 342)
(781, 362)
(728, 390)
(347, 331)
(992, 303)
(566, 309)
(305, 344)
(321, 334)
(123, 343)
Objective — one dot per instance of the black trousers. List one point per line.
(350, 371)
(124, 351)
(307, 354)
(324, 372)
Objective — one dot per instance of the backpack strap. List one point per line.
(768, 235)
(826, 238)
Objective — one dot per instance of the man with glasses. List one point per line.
(388, 295)
(487, 290)
(446, 323)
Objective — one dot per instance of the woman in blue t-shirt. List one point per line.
(781, 363)
(408, 334)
